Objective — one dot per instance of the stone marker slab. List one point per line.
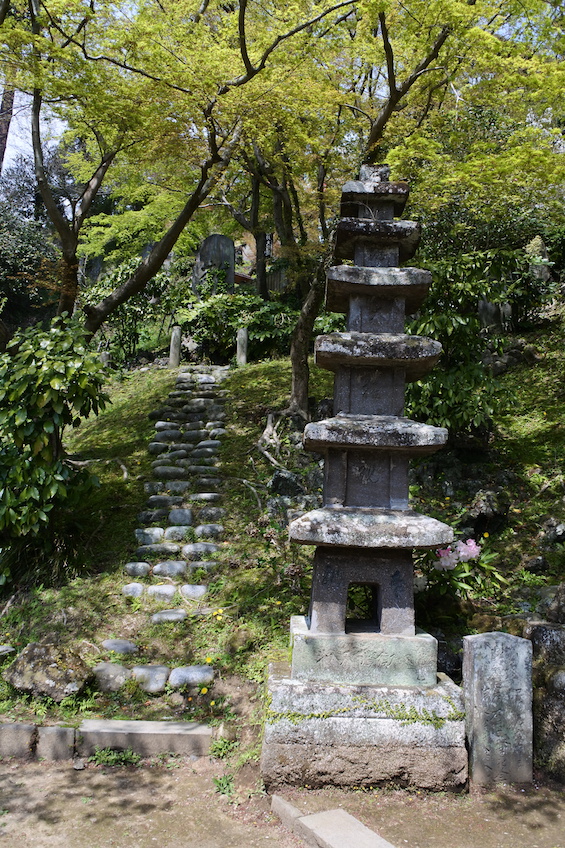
(147, 738)
(497, 679)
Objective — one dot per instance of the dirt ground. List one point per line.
(43, 805)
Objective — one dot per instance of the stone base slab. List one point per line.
(371, 659)
(322, 734)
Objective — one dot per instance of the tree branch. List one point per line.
(401, 91)
(389, 54)
(253, 70)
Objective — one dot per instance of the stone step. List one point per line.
(209, 531)
(147, 738)
(165, 616)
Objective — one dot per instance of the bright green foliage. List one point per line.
(474, 579)
(214, 323)
(461, 393)
(110, 757)
(48, 380)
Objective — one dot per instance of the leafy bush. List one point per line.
(49, 380)
(461, 393)
(27, 267)
(214, 322)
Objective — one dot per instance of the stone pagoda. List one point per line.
(363, 701)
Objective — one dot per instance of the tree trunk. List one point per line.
(68, 267)
(261, 264)
(6, 112)
(300, 344)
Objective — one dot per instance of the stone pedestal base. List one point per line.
(322, 734)
(372, 659)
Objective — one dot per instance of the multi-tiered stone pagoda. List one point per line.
(354, 682)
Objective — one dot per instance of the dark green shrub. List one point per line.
(49, 380)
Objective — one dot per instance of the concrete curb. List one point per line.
(330, 829)
(147, 738)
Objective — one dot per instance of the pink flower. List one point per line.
(468, 550)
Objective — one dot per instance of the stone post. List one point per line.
(242, 340)
(497, 681)
(174, 353)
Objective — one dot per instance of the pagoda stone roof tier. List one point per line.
(374, 432)
(354, 527)
(378, 234)
(345, 281)
(363, 194)
(417, 355)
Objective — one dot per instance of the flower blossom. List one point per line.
(449, 557)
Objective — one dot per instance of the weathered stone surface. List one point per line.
(110, 677)
(387, 574)
(210, 514)
(363, 735)
(548, 643)
(151, 678)
(120, 646)
(178, 534)
(209, 531)
(55, 743)
(17, 740)
(191, 675)
(353, 232)
(153, 487)
(180, 517)
(150, 516)
(556, 608)
(197, 549)
(178, 486)
(338, 829)
(345, 281)
(51, 670)
(497, 675)
(149, 536)
(162, 592)
(204, 564)
(170, 472)
(164, 501)
(374, 432)
(147, 738)
(360, 528)
(6, 649)
(193, 591)
(362, 658)
(166, 435)
(170, 568)
(286, 483)
(133, 590)
(169, 615)
(415, 354)
(155, 448)
(205, 497)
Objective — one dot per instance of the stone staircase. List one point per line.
(180, 526)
